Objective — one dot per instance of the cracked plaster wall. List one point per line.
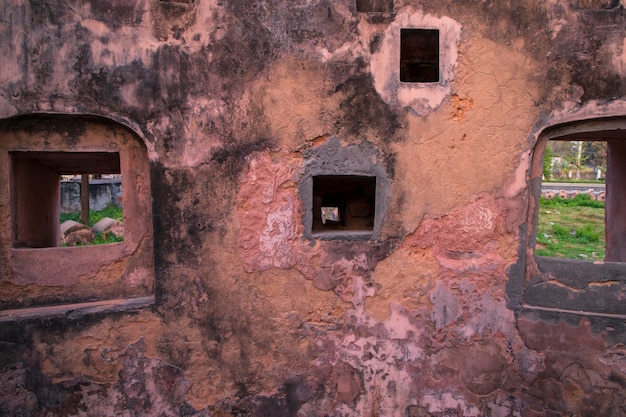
(231, 99)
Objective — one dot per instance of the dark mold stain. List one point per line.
(172, 9)
(141, 379)
(44, 12)
(292, 394)
(586, 58)
(375, 43)
(364, 109)
(169, 192)
(243, 57)
(118, 13)
(63, 125)
(311, 22)
(232, 156)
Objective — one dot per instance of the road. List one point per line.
(568, 186)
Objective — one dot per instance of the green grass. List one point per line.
(571, 228)
(112, 211)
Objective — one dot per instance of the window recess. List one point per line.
(584, 284)
(343, 202)
(35, 270)
(419, 55)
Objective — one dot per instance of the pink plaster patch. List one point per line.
(465, 239)
(271, 229)
(268, 211)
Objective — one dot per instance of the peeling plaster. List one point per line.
(448, 402)
(519, 181)
(446, 306)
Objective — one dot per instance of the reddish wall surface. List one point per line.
(441, 311)
(616, 225)
(35, 192)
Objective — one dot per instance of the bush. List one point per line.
(587, 233)
(581, 200)
(112, 211)
(561, 232)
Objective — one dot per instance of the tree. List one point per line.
(594, 154)
(547, 162)
(581, 157)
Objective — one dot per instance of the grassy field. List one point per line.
(112, 211)
(571, 228)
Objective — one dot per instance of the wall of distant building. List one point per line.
(102, 193)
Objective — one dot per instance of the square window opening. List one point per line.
(40, 202)
(343, 203)
(374, 6)
(419, 55)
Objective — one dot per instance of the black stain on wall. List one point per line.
(232, 156)
(364, 109)
(585, 55)
(118, 13)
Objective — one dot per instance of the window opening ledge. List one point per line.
(77, 310)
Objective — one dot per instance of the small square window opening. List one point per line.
(374, 6)
(343, 203)
(419, 55)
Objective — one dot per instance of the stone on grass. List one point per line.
(108, 226)
(76, 234)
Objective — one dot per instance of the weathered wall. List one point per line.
(102, 193)
(239, 102)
